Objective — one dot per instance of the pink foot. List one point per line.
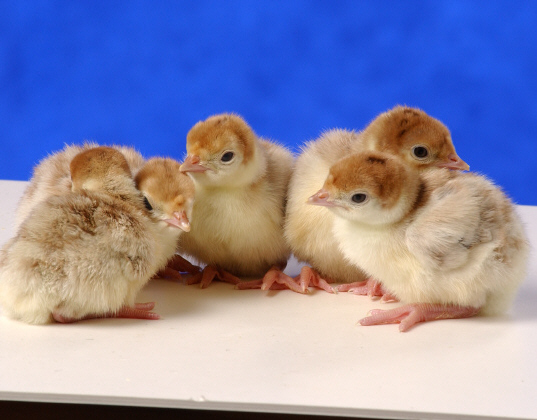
(271, 280)
(138, 311)
(309, 277)
(275, 279)
(411, 314)
(177, 265)
(369, 287)
(210, 273)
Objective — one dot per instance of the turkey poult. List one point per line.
(446, 244)
(421, 140)
(87, 253)
(52, 177)
(241, 185)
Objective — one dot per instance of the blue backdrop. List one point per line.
(143, 72)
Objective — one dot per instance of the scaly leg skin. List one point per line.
(276, 279)
(411, 314)
(138, 311)
(369, 287)
(209, 273)
(309, 277)
(275, 276)
(175, 266)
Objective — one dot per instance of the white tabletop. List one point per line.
(225, 349)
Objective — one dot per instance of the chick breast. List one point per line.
(308, 229)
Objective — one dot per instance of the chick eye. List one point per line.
(359, 198)
(226, 157)
(147, 204)
(420, 152)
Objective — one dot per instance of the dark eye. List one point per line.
(420, 152)
(226, 157)
(147, 204)
(359, 198)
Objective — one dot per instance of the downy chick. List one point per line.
(447, 244)
(422, 141)
(87, 253)
(241, 184)
(169, 195)
(52, 176)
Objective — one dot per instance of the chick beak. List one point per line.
(321, 198)
(454, 162)
(179, 220)
(192, 164)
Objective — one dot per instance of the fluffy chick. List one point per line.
(169, 195)
(241, 184)
(87, 253)
(420, 139)
(52, 176)
(448, 244)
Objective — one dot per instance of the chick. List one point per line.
(86, 253)
(241, 184)
(169, 195)
(447, 244)
(52, 177)
(421, 140)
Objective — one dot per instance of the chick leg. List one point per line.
(209, 273)
(308, 276)
(177, 265)
(276, 279)
(411, 314)
(369, 287)
(266, 283)
(275, 276)
(138, 311)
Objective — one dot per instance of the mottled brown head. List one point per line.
(95, 168)
(167, 191)
(376, 174)
(209, 139)
(372, 188)
(420, 139)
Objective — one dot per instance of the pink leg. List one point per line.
(209, 273)
(275, 279)
(177, 265)
(275, 276)
(309, 277)
(369, 287)
(138, 311)
(259, 284)
(228, 277)
(411, 314)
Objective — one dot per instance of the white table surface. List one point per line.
(281, 352)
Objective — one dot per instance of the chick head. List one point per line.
(220, 151)
(99, 169)
(168, 193)
(370, 187)
(421, 140)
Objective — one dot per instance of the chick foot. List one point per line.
(274, 279)
(177, 265)
(138, 311)
(309, 277)
(411, 314)
(369, 287)
(209, 273)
